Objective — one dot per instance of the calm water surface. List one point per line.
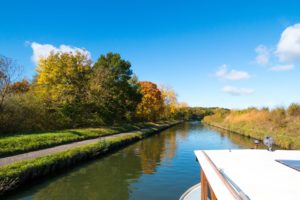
(159, 167)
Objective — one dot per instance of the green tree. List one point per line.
(113, 89)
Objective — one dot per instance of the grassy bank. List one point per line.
(20, 143)
(282, 124)
(16, 175)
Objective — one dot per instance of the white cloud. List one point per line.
(288, 47)
(283, 67)
(263, 55)
(43, 50)
(224, 73)
(237, 91)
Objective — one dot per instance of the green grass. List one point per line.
(14, 175)
(19, 143)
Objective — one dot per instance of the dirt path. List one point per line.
(56, 149)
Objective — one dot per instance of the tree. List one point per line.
(183, 111)
(19, 87)
(151, 106)
(62, 81)
(9, 72)
(114, 89)
(170, 101)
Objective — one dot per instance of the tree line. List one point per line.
(69, 90)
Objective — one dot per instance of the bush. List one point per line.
(294, 110)
(27, 112)
(278, 116)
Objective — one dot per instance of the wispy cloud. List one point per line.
(263, 55)
(234, 75)
(286, 54)
(43, 50)
(283, 67)
(237, 91)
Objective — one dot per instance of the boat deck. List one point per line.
(254, 174)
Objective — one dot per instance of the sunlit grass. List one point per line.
(19, 143)
(279, 123)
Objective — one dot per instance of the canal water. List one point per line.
(160, 167)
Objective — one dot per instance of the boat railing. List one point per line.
(220, 178)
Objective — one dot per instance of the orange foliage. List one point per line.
(151, 106)
(20, 86)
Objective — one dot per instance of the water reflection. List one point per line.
(160, 167)
(243, 141)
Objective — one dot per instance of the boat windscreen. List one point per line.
(295, 164)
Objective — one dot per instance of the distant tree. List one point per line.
(62, 82)
(113, 89)
(170, 101)
(20, 86)
(9, 72)
(152, 104)
(183, 111)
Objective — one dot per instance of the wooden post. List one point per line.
(204, 188)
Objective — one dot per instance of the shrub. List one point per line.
(27, 112)
(278, 116)
(293, 110)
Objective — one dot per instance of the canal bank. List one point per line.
(280, 141)
(159, 167)
(18, 174)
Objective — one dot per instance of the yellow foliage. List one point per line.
(62, 77)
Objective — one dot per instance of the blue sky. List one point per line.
(232, 54)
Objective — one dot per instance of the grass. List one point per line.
(19, 143)
(14, 175)
(278, 123)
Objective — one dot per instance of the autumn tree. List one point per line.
(19, 87)
(170, 101)
(62, 82)
(151, 106)
(183, 111)
(114, 89)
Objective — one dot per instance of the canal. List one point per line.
(160, 167)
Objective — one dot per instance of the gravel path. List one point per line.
(57, 149)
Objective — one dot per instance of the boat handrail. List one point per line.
(237, 193)
(241, 193)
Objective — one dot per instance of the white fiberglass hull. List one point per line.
(193, 193)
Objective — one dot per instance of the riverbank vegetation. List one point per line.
(283, 124)
(19, 143)
(14, 175)
(71, 91)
